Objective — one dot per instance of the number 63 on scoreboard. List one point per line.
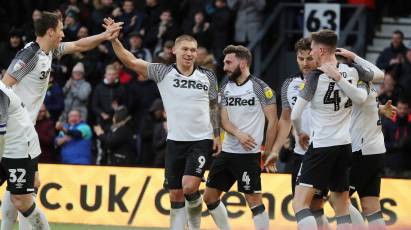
(321, 16)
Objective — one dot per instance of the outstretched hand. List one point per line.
(388, 110)
(112, 28)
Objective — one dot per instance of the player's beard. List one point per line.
(235, 74)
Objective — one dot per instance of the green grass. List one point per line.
(91, 227)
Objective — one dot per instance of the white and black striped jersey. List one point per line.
(366, 130)
(21, 138)
(330, 107)
(244, 104)
(290, 90)
(31, 68)
(186, 100)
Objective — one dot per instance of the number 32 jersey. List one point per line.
(330, 107)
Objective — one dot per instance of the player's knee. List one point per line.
(21, 202)
(189, 188)
(37, 183)
(253, 199)
(176, 195)
(209, 198)
(370, 207)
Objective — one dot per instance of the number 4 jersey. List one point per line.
(330, 107)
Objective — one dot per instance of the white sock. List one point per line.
(8, 212)
(260, 217)
(194, 204)
(178, 216)
(219, 214)
(306, 220)
(23, 222)
(357, 219)
(36, 218)
(321, 219)
(344, 222)
(376, 221)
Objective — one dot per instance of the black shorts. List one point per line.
(296, 160)
(365, 175)
(20, 174)
(186, 158)
(327, 167)
(228, 168)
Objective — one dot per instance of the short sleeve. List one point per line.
(57, 53)
(4, 109)
(364, 74)
(264, 93)
(311, 85)
(213, 89)
(284, 91)
(157, 71)
(24, 62)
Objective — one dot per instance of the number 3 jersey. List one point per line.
(31, 68)
(289, 92)
(244, 104)
(21, 138)
(330, 107)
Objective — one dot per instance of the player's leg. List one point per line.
(8, 212)
(315, 172)
(369, 193)
(339, 186)
(174, 170)
(219, 180)
(21, 186)
(317, 208)
(197, 160)
(247, 169)
(23, 223)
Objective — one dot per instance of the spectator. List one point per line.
(71, 26)
(190, 8)
(28, 27)
(108, 93)
(160, 141)
(200, 30)
(404, 76)
(76, 92)
(54, 99)
(45, 130)
(120, 140)
(165, 30)
(205, 59)
(124, 77)
(395, 53)
(220, 28)
(152, 11)
(397, 135)
(102, 9)
(133, 20)
(9, 49)
(388, 89)
(74, 138)
(137, 49)
(150, 120)
(249, 19)
(166, 56)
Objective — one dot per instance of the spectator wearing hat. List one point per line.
(136, 47)
(75, 139)
(76, 92)
(166, 55)
(71, 25)
(120, 139)
(9, 49)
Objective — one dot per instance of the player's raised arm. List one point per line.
(89, 43)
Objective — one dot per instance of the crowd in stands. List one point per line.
(98, 112)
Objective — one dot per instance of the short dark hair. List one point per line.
(185, 37)
(48, 20)
(240, 52)
(325, 37)
(303, 44)
(399, 32)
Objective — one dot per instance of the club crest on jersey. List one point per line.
(268, 93)
(301, 86)
(19, 65)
